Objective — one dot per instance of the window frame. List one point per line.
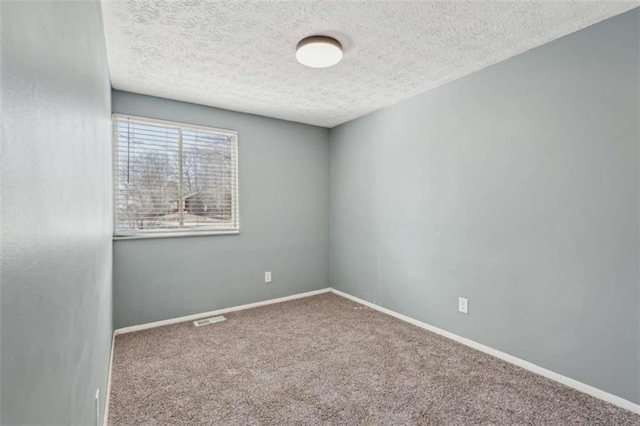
(164, 233)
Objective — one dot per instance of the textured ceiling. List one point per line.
(240, 54)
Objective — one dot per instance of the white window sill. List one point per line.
(172, 235)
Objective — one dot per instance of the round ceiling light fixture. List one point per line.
(319, 51)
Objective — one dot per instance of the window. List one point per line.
(172, 178)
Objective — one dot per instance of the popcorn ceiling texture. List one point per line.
(327, 360)
(240, 55)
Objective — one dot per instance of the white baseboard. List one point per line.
(108, 393)
(567, 381)
(218, 312)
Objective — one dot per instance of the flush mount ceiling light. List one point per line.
(319, 51)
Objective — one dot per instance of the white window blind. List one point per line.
(172, 178)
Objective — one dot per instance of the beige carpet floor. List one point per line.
(327, 360)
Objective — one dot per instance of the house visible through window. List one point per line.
(172, 178)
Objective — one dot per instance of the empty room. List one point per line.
(320, 212)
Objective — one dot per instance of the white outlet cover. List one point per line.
(463, 305)
(267, 277)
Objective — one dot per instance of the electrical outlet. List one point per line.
(267, 277)
(463, 305)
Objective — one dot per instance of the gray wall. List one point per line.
(284, 224)
(56, 220)
(516, 187)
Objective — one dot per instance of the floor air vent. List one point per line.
(206, 321)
